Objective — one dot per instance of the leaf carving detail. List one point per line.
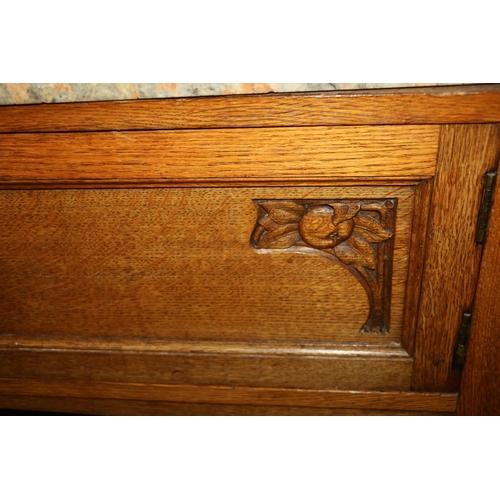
(280, 238)
(284, 212)
(346, 232)
(268, 224)
(356, 251)
(344, 211)
(345, 229)
(370, 229)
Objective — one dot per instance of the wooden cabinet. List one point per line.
(278, 254)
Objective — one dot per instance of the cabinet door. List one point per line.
(480, 384)
(309, 266)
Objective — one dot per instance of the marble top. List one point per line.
(31, 93)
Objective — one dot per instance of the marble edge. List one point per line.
(35, 93)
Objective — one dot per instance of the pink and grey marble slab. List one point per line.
(30, 93)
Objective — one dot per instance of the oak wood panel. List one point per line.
(452, 262)
(413, 401)
(480, 385)
(278, 370)
(464, 104)
(287, 154)
(118, 407)
(167, 264)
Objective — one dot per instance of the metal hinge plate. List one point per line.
(463, 340)
(486, 204)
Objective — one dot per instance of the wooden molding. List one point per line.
(273, 370)
(231, 395)
(358, 234)
(119, 407)
(221, 347)
(423, 200)
(435, 105)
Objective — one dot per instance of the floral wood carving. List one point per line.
(357, 234)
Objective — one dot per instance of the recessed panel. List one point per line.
(179, 263)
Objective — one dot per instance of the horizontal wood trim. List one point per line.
(287, 154)
(231, 395)
(21, 404)
(201, 183)
(298, 372)
(464, 104)
(389, 350)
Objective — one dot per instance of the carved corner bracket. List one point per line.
(357, 234)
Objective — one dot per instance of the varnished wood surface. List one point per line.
(463, 104)
(453, 258)
(356, 234)
(96, 269)
(423, 200)
(232, 369)
(480, 386)
(177, 264)
(411, 401)
(118, 407)
(225, 155)
(143, 345)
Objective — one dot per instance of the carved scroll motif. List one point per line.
(357, 234)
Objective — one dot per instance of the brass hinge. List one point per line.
(463, 340)
(486, 204)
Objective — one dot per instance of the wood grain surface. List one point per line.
(143, 345)
(480, 386)
(127, 407)
(157, 298)
(283, 370)
(177, 264)
(225, 155)
(453, 258)
(463, 104)
(356, 234)
(412, 401)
